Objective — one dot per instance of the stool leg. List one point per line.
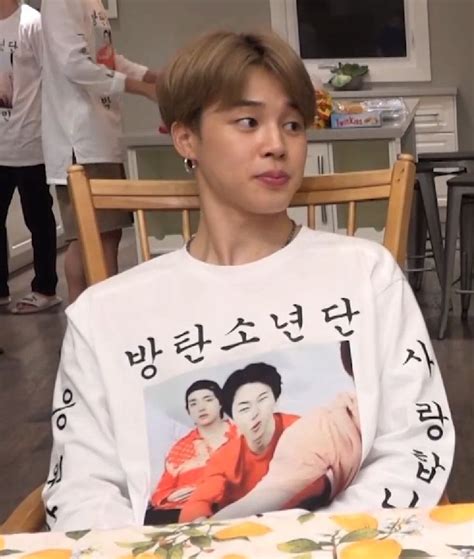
(430, 205)
(467, 235)
(416, 243)
(452, 226)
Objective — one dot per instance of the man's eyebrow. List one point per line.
(253, 103)
(246, 103)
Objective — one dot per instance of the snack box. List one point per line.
(356, 120)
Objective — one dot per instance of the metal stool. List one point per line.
(425, 216)
(460, 210)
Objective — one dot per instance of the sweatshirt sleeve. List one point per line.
(211, 490)
(410, 458)
(129, 68)
(165, 487)
(86, 487)
(65, 43)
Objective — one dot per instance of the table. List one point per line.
(439, 532)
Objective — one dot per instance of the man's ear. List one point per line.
(184, 140)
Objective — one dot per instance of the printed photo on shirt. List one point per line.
(270, 432)
(104, 49)
(6, 79)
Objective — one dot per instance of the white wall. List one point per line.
(150, 31)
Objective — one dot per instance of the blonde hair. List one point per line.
(213, 70)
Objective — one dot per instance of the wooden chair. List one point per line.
(395, 185)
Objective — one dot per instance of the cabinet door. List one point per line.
(436, 114)
(317, 163)
(428, 143)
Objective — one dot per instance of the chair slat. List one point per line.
(143, 234)
(312, 216)
(186, 227)
(351, 220)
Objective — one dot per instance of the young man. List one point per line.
(250, 287)
(250, 399)
(187, 458)
(82, 114)
(21, 155)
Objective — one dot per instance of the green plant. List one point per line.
(344, 74)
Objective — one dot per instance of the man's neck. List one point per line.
(230, 241)
(7, 8)
(215, 429)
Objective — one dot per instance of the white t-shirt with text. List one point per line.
(20, 88)
(84, 79)
(324, 327)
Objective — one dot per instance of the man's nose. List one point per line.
(274, 144)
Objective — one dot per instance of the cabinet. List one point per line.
(318, 162)
(436, 131)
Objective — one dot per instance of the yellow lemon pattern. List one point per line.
(351, 522)
(243, 529)
(365, 549)
(2, 543)
(50, 554)
(453, 514)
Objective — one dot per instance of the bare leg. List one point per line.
(110, 242)
(74, 268)
(74, 271)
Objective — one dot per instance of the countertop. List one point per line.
(388, 131)
(397, 91)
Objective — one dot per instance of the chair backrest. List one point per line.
(395, 185)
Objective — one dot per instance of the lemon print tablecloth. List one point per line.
(441, 532)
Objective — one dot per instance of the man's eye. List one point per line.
(247, 122)
(294, 126)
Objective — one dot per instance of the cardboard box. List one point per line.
(356, 120)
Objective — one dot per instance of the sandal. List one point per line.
(4, 301)
(35, 302)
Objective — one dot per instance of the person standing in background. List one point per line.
(82, 115)
(21, 155)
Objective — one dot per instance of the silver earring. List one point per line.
(189, 165)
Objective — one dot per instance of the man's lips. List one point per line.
(255, 428)
(274, 178)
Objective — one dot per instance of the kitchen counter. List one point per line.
(400, 91)
(392, 130)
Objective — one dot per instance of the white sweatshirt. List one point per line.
(332, 315)
(20, 88)
(83, 82)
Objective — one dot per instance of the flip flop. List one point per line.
(4, 301)
(35, 302)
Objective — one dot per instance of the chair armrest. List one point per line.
(29, 515)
